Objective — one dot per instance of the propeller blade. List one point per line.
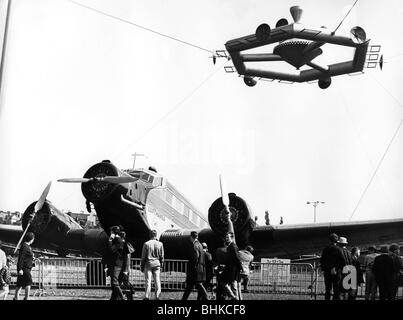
(22, 237)
(110, 179)
(38, 206)
(74, 180)
(122, 179)
(224, 195)
(41, 201)
(225, 201)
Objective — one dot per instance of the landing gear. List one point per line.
(325, 83)
(250, 82)
(263, 32)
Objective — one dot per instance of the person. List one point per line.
(370, 281)
(209, 268)
(232, 268)
(3, 258)
(397, 269)
(152, 259)
(246, 257)
(196, 269)
(24, 265)
(385, 269)
(220, 260)
(342, 243)
(332, 262)
(124, 276)
(5, 279)
(119, 262)
(355, 254)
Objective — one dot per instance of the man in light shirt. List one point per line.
(152, 258)
(3, 258)
(370, 281)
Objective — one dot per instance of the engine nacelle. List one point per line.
(241, 217)
(49, 223)
(98, 191)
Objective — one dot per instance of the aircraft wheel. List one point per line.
(263, 32)
(325, 83)
(250, 82)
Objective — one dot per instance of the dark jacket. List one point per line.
(348, 261)
(25, 257)
(386, 268)
(233, 267)
(332, 257)
(208, 259)
(196, 263)
(357, 266)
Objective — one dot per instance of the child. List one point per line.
(5, 279)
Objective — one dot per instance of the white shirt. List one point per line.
(3, 259)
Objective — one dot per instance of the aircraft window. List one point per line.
(135, 175)
(186, 212)
(145, 177)
(151, 179)
(177, 204)
(157, 181)
(190, 215)
(168, 197)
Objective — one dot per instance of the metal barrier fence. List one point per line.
(319, 286)
(266, 280)
(284, 278)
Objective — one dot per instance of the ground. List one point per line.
(104, 294)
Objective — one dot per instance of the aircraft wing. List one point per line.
(294, 241)
(10, 233)
(92, 241)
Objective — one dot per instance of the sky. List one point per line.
(80, 87)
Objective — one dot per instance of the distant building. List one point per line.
(84, 219)
(8, 217)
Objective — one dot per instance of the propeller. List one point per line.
(381, 62)
(38, 206)
(225, 201)
(110, 179)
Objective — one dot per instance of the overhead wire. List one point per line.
(345, 104)
(377, 168)
(345, 16)
(388, 92)
(173, 109)
(140, 26)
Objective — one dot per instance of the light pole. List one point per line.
(315, 204)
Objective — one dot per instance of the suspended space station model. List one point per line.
(298, 46)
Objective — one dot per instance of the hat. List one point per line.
(333, 238)
(342, 240)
